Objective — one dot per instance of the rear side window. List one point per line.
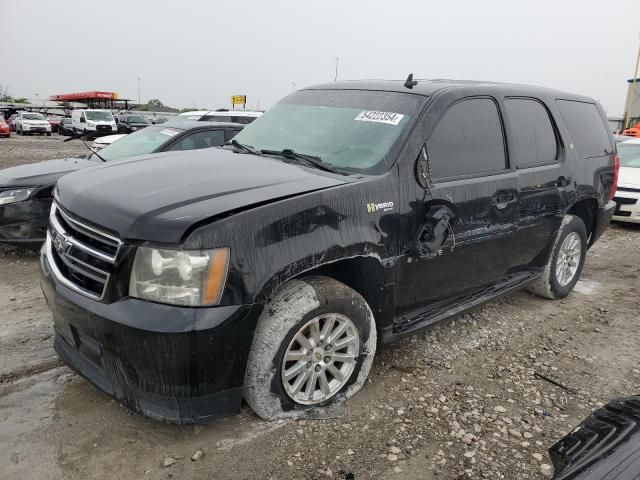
(467, 140)
(586, 127)
(533, 139)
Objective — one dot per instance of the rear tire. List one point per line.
(300, 359)
(565, 263)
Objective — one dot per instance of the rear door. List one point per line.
(471, 177)
(535, 151)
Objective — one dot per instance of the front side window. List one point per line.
(533, 139)
(198, 140)
(629, 154)
(354, 130)
(586, 127)
(141, 142)
(98, 116)
(467, 140)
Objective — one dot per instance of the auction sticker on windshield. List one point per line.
(380, 117)
(168, 131)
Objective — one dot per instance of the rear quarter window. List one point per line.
(533, 138)
(588, 131)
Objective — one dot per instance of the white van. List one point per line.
(93, 123)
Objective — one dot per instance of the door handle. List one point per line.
(502, 201)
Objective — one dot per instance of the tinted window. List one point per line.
(467, 140)
(586, 127)
(533, 138)
(196, 141)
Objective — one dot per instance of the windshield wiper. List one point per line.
(73, 137)
(241, 146)
(310, 159)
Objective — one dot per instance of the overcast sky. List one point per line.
(201, 52)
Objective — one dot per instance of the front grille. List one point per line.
(81, 256)
(103, 128)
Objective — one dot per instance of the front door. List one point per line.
(462, 230)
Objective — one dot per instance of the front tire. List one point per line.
(313, 347)
(565, 263)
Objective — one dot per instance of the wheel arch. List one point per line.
(586, 210)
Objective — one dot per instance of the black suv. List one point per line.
(131, 123)
(349, 214)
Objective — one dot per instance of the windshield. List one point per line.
(141, 142)
(350, 129)
(66, 120)
(97, 115)
(629, 154)
(33, 116)
(137, 119)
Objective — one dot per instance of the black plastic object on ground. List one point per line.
(604, 446)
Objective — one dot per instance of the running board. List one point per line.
(416, 320)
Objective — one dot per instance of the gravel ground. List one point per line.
(459, 401)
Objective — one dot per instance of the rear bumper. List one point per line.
(176, 364)
(602, 221)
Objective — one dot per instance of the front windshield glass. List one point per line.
(353, 130)
(97, 116)
(629, 154)
(137, 119)
(33, 116)
(141, 142)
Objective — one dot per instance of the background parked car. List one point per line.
(628, 194)
(66, 126)
(24, 217)
(28, 123)
(93, 123)
(131, 123)
(11, 121)
(4, 128)
(54, 121)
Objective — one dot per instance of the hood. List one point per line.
(40, 174)
(629, 177)
(35, 122)
(159, 200)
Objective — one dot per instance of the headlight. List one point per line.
(91, 124)
(179, 277)
(17, 195)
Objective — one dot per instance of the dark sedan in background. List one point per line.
(26, 190)
(66, 126)
(131, 123)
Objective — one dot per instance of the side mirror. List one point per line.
(82, 120)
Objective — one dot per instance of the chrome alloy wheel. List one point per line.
(568, 259)
(320, 358)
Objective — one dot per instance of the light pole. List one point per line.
(335, 79)
(293, 86)
(139, 101)
(632, 92)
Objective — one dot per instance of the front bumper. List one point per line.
(628, 206)
(24, 224)
(36, 129)
(176, 364)
(602, 221)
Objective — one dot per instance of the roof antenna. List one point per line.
(410, 82)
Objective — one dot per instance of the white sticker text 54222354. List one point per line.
(380, 117)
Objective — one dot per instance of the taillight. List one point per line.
(616, 169)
